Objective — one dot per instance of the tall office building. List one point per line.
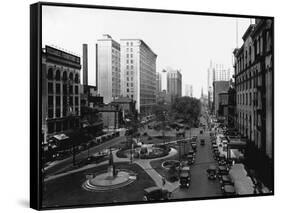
(219, 87)
(85, 64)
(138, 74)
(108, 68)
(220, 73)
(188, 90)
(174, 82)
(158, 82)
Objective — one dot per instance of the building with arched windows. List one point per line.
(60, 91)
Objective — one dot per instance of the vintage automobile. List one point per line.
(155, 193)
(225, 180)
(190, 159)
(212, 172)
(222, 160)
(202, 142)
(228, 190)
(185, 179)
(194, 146)
(191, 152)
(222, 170)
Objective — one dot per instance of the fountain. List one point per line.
(110, 179)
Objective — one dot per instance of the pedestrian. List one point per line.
(163, 181)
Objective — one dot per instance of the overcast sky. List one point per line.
(185, 42)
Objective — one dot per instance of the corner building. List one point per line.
(60, 91)
(138, 74)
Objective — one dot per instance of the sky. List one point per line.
(184, 42)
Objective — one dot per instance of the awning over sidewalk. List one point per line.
(242, 183)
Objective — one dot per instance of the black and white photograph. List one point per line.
(141, 106)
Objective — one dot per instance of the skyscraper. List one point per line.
(138, 74)
(108, 68)
(174, 83)
(158, 82)
(188, 90)
(85, 64)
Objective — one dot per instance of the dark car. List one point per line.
(155, 193)
(185, 179)
(202, 142)
(212, 172)
(190, 159)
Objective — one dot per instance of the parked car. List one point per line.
(155, 193)
(228, 190)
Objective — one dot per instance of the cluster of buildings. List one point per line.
(125, 87)
(173, 79)
(246, 102)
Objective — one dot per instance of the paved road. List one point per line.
(61, 165)
(200, 185)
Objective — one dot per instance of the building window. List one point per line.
(76, 90)
(50, 113)
(127, 61)
(132, 66)
(127, 43)
(58, 112)
(57, 88)
(70, 89)
(71, 76)
(76, 101)
(64, 76)
(131, 43)
(132, 61)
(57, 75)
(57, 101)
(50, 88)
(50, 74)
(128, 67)
(131, 49)
(76, 80)
(128, 55)
(71, 100)
(128, 90)
(50, 101)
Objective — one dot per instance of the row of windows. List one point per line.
(64, 100)
(129, 43)
(245, 99)
(64, 77)
(64, 89)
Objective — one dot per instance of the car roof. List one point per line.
(151, 189)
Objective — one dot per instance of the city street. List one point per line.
(200, 185)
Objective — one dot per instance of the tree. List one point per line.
(160, 111)
(187, 108)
